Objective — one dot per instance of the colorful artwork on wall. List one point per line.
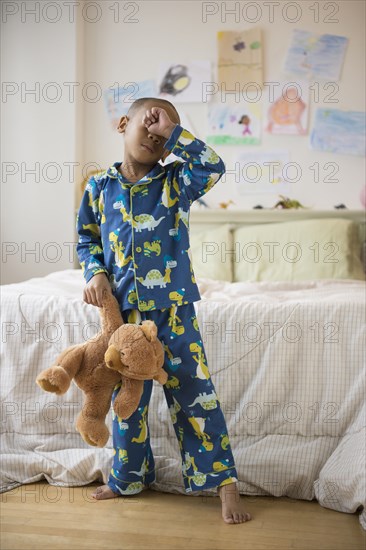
(363, 196)
(119, 100)
(183, 83)
(240, 58)
(316, 56)
(234, 124)
(264, 172)
(339, 131)
(288, 112)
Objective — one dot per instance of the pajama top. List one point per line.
(138, 233)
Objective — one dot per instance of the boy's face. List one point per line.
(140, 143)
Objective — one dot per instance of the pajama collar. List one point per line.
(156, 173)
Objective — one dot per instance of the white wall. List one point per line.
(37, 217)
(106, 52)
(175, 31)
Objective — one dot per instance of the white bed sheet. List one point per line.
(287, 361)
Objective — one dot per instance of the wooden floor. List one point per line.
(42, 516)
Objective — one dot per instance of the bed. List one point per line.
(282, 318)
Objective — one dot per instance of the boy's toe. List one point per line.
(229, 519)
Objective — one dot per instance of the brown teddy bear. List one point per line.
(119, 352)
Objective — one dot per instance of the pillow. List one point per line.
(301, 250)
(212, 252)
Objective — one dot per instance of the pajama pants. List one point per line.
(198, 420)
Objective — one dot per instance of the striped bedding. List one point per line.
(287, 361)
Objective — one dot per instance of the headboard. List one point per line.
(202, 218)
(206, 217)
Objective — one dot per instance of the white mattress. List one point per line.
(287, 361)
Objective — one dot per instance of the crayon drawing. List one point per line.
(240, 58)
(119, 100)
(339, 132)
(183, 83)
(262, 172)
(288, 113)
(234, 124)
(316, 56)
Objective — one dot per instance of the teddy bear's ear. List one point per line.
(149, 329)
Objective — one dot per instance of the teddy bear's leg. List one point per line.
(91, 420)
(57, 379)
(128, 398)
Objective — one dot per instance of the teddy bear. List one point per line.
(126, 353)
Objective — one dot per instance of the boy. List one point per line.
(134, 242)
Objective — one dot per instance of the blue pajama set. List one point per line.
(138, 234)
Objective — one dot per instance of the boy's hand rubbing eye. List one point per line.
(158, 122)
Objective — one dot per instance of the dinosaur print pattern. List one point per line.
(153, 247)
(118, 249)
(155, 278)
(194, 408)
(200, 357)
(207, 401)
(146, 221)
(138, 233)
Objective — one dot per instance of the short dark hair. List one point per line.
(141, 102)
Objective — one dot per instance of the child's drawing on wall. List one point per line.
(315, 56)
(289, 112)
(119, 99)
(240, 58)
(245, 121)
(263, 172)
(113, 109)
(175, 80)
(233, 124)
(339, 131)
(183, 83)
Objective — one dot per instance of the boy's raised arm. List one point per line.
(203, 167)
(89, 247)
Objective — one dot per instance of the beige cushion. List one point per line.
(306, 250)
(209, 255)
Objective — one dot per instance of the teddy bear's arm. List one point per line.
(57, 379)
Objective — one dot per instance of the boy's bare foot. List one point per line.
(232, 510)
(105, 491)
